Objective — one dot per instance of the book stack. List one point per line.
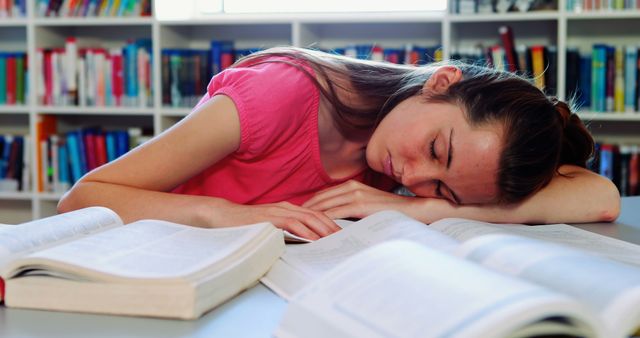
(64, 157)
(13, 78)
(620, 163)
(607, 80)
(14, 163)
(118, 77)
(93, 8)
(596, 5)
(13, 9)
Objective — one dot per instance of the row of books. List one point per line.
(14, 163)
(13, 78)
(596, 5)
(501, 6)
(13, 8)
(608, 80)
(537, 62)
(95, 76)
(93, 8)
(619, 163)
(186, 72)
(65, 157)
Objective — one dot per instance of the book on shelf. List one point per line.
(458, 278)
(619, 163)
(93, 8)
(14, 163)
(98, 77)
(13, 78)
(89, 261)
(607, 78)
(13, 9)
(601, 5)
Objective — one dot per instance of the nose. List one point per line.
(416, 175)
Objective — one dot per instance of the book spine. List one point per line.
(73, 150)
(110, 142)
(610, 78)
(537, 59)
(508, 43)
(63, 166)
(631, 55)
(619, 80)
(3, 78)
(20, 78)
(11, 79)
(598, 78)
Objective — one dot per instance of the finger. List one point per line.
(316, 220)
(297, 228)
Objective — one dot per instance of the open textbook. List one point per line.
(458, 278)
(89, 261)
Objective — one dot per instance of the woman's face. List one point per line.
(431, 149)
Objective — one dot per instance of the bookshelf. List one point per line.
(452, 31)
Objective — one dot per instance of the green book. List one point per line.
(3, 78)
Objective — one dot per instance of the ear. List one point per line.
(442, 78)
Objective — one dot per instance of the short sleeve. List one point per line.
(274, 100)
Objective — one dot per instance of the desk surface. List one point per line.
(254, 313)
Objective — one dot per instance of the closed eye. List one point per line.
(433, 149)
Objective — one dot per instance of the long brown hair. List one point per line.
(540, 133)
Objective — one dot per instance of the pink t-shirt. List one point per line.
(279, 156)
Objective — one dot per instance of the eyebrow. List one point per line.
(449, 157)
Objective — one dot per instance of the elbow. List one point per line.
(610, 204)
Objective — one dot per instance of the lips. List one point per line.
(387, 166)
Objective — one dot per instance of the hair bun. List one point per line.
(577, 143)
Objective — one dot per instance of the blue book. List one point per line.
(218, 50)
(584, 98)
(63, 166)
(130, 56)
(22, 4)
(3, 78)
(110, 141)
(599, 78)
(3, 143)
(122, 142)
(73, 151)
(606, 161)
(630, 77)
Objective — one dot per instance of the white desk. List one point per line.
(254, 313)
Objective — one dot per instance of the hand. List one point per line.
(297, 220)
(355, 199)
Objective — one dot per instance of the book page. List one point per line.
(322, 255)
(16, 240)
(153, 249)
(462, 229)
(301, 263)
(403, 289)
(609, 288)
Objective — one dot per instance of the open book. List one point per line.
(458, 278)
(89, 261)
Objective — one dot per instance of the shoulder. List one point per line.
(274, 98)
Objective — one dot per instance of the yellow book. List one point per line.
(618, 88)
(537, 60)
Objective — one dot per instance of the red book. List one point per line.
(101, 149)
(11, 79)
(117, 77)
(634, 172)
(1, 289)
(506, 35)
(48, 78)
(89, 149)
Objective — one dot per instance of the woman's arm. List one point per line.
(578, 196)
(138, 185)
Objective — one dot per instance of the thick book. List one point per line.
(458, 278)
(89, 261)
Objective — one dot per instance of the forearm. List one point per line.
(133, 204)
(580, 197)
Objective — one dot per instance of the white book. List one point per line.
(458, 278)
(89, 261)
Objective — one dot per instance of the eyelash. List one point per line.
(433, 149)
(433, 155)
